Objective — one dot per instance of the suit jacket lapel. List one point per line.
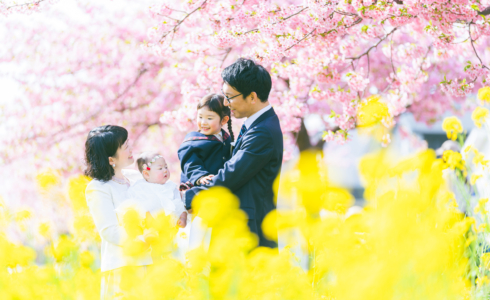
(262, 117)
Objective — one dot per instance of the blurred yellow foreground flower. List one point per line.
(452, 126)
(407, 242)
(484, 94)
(479, 115)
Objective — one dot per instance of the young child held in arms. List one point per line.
(155, 193)
(204, 152)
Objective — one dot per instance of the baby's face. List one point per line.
(159, 172)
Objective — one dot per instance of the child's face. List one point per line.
(208, 122)
(158, 172)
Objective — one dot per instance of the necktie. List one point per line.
(242, 132)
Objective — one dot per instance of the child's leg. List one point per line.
(182, 220)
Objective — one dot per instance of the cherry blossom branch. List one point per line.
(369, 69)
(174, 29)
(474, 49)
(359, 20)
(374, 46)
(281, 20)
(485, 12)
(143, 130)
(368, 65)
(345, 13)
(95, 114)
(25, 4)
(226, 55)
(424, 58)
(305, 37)
(391, 56)
(288, 17)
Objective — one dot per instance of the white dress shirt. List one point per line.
(102, 200)
(219, 135)
(255, 116)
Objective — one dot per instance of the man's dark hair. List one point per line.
(246, 77)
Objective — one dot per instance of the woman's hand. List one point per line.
(205, 180)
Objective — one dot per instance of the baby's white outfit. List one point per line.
(153, 198)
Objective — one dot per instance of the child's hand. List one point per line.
(205, 179)
(182, 222)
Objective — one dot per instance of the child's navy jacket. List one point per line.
(202, 155)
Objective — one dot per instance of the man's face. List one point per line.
(240, 107)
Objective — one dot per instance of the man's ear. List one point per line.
(253, 97)
(146, 174)
(225, 120)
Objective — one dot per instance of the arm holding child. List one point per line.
(193, 165)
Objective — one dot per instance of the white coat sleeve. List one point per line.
(179, 204)
(99, 201)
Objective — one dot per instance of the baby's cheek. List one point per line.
(159, 176)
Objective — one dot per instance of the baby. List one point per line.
(155, 193)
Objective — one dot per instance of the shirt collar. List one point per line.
(255, 116)
(219, 135)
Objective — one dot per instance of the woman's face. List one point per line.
(124, 155)
(208, 122)
(158, 172)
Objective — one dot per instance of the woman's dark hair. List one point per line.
(246, 77)
(102, 143)
(215, 102)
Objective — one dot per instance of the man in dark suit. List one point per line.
(257, 155)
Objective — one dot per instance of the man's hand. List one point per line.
(204, 180)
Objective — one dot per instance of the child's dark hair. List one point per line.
(215, 102)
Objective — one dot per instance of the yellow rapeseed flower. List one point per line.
(453, 160)
(486, 260)
(474, 178)
(481, 281)
(86, 259)
(47, 179)
(481, 206)
(22, 215)
(482, 227)
(484, 94)
(372, 111)
(479, 158)
(452, 126)
(76, 192)
(44, 229)
(479, 115)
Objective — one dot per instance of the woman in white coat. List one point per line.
(107, 152)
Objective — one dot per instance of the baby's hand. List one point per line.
(205, 179)
(182, 220)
